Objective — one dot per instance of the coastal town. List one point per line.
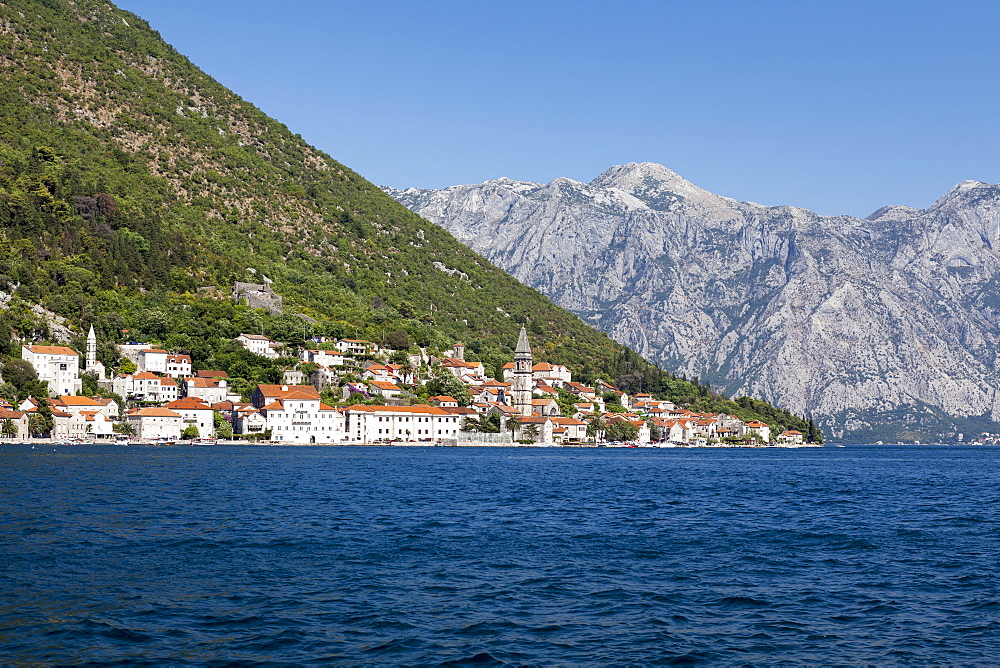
(165, 400)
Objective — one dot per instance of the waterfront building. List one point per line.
(373, 424)
(155, 422)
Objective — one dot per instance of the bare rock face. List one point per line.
(884, 327)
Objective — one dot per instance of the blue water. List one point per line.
(523, 556)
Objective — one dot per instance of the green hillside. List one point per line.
(135, 189)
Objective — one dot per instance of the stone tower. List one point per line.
(93, 366)
(520, 388)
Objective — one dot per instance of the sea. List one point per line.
(489, 556)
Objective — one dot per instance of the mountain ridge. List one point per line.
(726, 284)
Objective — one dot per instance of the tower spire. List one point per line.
(521, 382)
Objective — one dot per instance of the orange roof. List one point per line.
(383, 385)
(153, 350)
(420, 409)
(145, 375)
(7, 414)
(203, 382)
(442, 397)
(288, 391)
(756, 424)
(566, 420)
(52, 350)
(71, 400)
(153, 411)
(211, 374)
(189, 403)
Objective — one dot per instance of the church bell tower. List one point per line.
(521, 382)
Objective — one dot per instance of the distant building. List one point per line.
(258, 345)
(258, 295)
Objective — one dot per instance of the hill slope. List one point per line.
(126, 170)
(883, 328)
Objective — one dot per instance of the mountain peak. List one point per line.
(647, 179)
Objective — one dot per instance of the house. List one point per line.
(443, 401)
(74, 404)
(152, 360)
(145, 386)
(266, 394)
(376, 371)
(554, 373)
(97, 424)
(573, 430)
(353, 346)
(385, 388)
(761, 429)
(109, 407)
(372, 424)
(323, 357)
(296, 415)
(155, 422)
(59, 366)
(534, 428)
(195, 413)
(258, 345)
(178, 366)
(209, 390)
(545, 406)
(18, 420)
(461, 368)
(247, 420)
(792, 437)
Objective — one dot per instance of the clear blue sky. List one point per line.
(840, 107)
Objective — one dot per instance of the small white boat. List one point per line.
(121, 440)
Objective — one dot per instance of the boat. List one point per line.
(204, 441)
(121, 440)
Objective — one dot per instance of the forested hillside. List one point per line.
(135, 189)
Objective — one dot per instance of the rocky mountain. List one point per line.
(882, 328)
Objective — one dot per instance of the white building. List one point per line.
(372, 424)
(178, 366)
(258, 345)
(152, 360)
(209, 390)
(57, 365)
(294, 414)
(195, 413)
(145, 386)
(323, 357)
(155, 422)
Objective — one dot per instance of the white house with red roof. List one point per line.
(258, 344)
(19, 420)
(59, 366)
(374, 424)
(178, 365)
(385, 388)
(354, 346)
(195, 413)
(145, 386)
(295, 414)
(209, 390)
(155, 422)
(323, 357)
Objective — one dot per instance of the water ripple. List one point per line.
(454, 557)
